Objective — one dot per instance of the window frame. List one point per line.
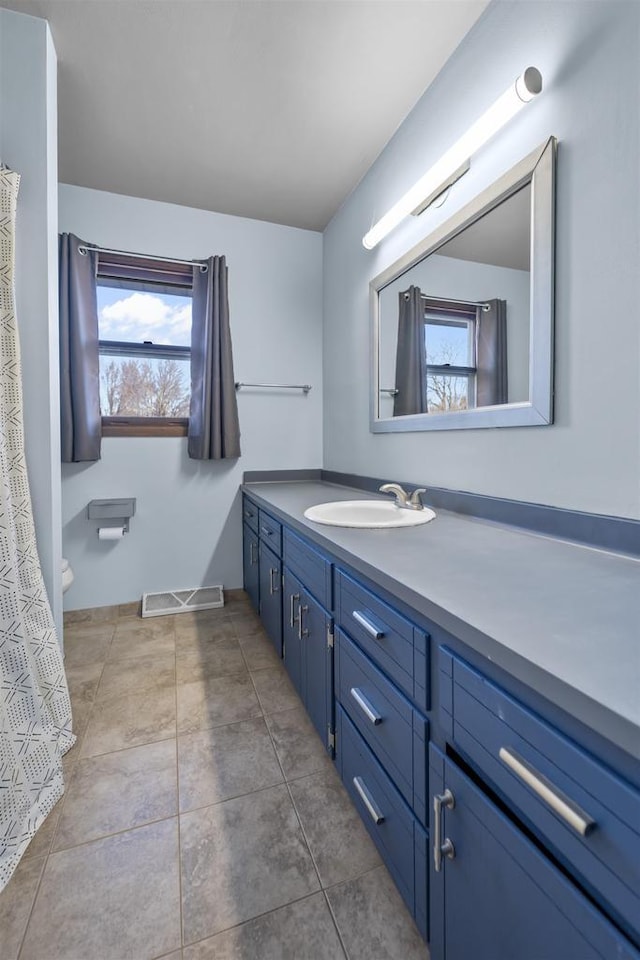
(128, 272)
(437, 313)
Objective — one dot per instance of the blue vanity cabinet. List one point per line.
(270, 573)
(494, 893)
(308, 654)
(251, 564)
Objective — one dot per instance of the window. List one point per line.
(144, 328)
(450, 349)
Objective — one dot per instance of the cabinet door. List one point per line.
(291, 633)
(317, 660)
(499, 896)
(271, 595)
(250, 562)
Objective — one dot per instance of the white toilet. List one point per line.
(67, 575)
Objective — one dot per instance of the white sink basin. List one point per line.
(372, 514)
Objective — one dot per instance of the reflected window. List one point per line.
(450, 351)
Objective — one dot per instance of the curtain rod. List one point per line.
(470, 303)
(85, 247)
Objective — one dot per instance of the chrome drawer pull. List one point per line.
(570, 812)
(272, 588)
(292, 602)
(365, 706)
(371, 628)
(268, 532)
(366, 798)
(248, 514)
(441, 800)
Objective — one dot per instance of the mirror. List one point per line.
(463, 323)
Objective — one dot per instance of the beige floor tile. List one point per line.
(41, 843)
(341, 847)
(113, 899)
(300, 750)
(214, 701)
(16, 901)
(81, 712)
(275, 690)
(241, 858)
(226, 762)
(119, 791)
(246, 622)
(130, 721)
(190, 630)
(373, 920)
(258, 651)
(209, 658)
(142, 638)
(300, 931)
(87, 644)
(83, 680)
(122, 678)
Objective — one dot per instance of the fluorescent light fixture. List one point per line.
(455, 162)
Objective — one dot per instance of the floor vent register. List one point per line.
(182, 601)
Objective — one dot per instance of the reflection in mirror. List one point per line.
(463, 323)
(454, 329)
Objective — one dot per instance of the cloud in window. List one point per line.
(147, 316)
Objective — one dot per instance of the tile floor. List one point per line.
(202, 819)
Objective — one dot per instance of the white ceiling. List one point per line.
(272, 109)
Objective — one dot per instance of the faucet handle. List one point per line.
(402, 497)
(415, 497)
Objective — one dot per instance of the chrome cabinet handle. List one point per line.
(272, 589)
(368, 801)
(447, 849)
(365, 706)
(249, 514)
(268, 532)
(252, 558)
(371, 628)
(569, 811)
(302, 633)
(292, 602)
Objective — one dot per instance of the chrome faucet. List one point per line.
(403, 499)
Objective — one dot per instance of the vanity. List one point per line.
(478, 687)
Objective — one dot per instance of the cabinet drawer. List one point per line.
(395, 831)
(392, 641)
(270, 531)
(393, 729)
(310, 566)
(250, 513)
(581, 810)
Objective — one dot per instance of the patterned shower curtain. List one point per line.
(35, 711)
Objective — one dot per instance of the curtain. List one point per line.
(214, 431)
(491, 359)
(80, 422)
(411, 359)
(35, 712)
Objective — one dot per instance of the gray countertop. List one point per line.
(562, 618)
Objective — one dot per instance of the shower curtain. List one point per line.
(35, 711)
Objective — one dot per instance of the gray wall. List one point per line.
(28, 144)
(186, 531)
(590, 458)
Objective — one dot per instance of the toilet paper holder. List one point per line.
(121, 509)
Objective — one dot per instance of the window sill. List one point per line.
(145, 426)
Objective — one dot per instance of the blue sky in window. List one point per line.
(137, 315)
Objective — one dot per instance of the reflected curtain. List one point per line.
(80, 421)
(214, 430)
(35, 711)
(491, 354)
(411, 359)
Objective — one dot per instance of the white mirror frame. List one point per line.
(538, 169)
